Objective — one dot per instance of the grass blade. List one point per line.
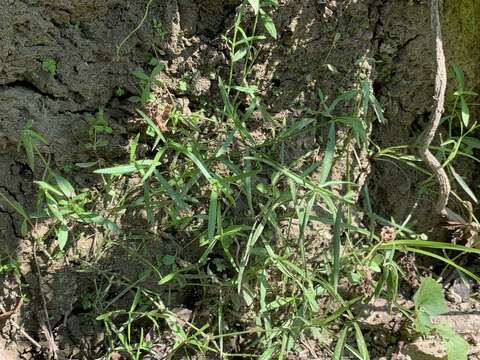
(212, 215)
(362, 346)
(176, 197)
(16, 205)
(64, 186)
(329, 154)
(117, 170)
(337, 355)
(446, 261)
(336, 244)
(195, 159)
(463, 184)
(252, 240)
(428, 244)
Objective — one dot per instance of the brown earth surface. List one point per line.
(387, 42)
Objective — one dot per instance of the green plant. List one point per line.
(159, 29)
(10, 265)
(119, 92)
(429, 302)
(29, 138)
(239, 213)
(455, 147)
(98, 126)
(67, 208)
(50, 65)
(148, 81)
(183, 84)
(200, 187)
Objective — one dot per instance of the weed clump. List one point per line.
(242, 216)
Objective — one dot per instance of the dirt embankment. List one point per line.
(387, 42)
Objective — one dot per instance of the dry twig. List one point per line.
(428, 158)
(440, 87)
(47, 326)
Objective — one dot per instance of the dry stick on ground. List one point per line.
(47, 326)
(8, 315)
(470, 229)
(440, 86)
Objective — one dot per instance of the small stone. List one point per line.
(425, 349)
(461, 289)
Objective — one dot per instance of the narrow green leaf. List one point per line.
(117, 170)
(86, 164)
(248, 187)
(267, 354)
(147, 199)
(64, 186)
(392, 284)
(329, 155)
(377, 108)
(167, 278)
(345, 96)
(459, 76)
(47, 187)
(225, 145)
(342, 338)
(255, 4)
(28, 146)
(471, 142)
(62, 236)
(176, 197)
(446, 261)
(358, 128)
(101, 143)
(336, 244)
(279, 302)
(133, 148)
(24, 228)
(251, 90)
(248, 295)
(296, 128)
(303, 218)
(212, 215)
(321, 190)
(269, 24)
(239, 55)
(140, 74)
(37, 136)
(251, 39)
(136, 300)
(362, 346)
(365, 96)
(153, 166)
(309, 294)
(375, 264)
(463, 184)
(196, 160)
(465, 112)
(154, 127)
(428, 244)
(100, 220)
(16, 205)
(252, 240)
